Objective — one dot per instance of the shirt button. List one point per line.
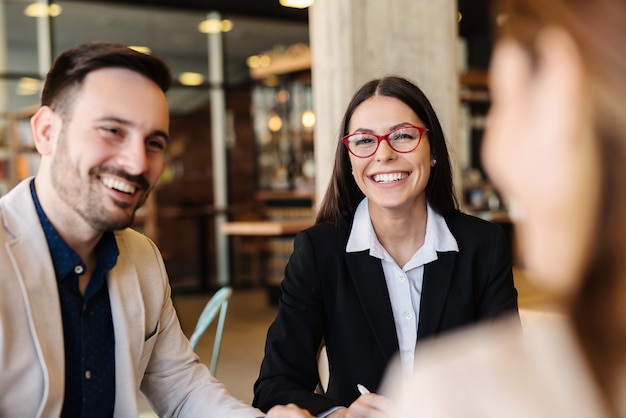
(402, 279)
(88, 374)
(409, 316)
(79, 269)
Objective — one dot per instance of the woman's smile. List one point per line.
(384, 178)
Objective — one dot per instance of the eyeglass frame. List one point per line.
(385, 137)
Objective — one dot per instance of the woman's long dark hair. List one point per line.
(343, 194)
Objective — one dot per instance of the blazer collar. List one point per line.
(369, 282)
(128, 312)
(437, 280)
(39, 286)
(41, 299)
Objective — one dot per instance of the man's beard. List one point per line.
(66, 180)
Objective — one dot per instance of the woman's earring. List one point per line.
(433, 162)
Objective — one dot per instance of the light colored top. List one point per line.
(494, 371)
(404, 283)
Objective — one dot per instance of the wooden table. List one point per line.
(202, 215)
(272, 229)
(266, 228)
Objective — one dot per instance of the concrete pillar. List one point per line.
(353, 41)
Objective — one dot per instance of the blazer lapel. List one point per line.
(39, 287)
(437, 280)
(369, 281)
(127, 310)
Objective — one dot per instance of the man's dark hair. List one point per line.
(72, 66)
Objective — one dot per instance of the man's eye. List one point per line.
(156, 144)
(108, 130)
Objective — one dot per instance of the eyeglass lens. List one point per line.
(364, 144)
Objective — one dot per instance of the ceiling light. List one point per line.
(227, 25)
(274, 122)
(271, 81)
(298, 4)
(253, 61)
(215, 26)
(142, 49)
(282, 96)
(501, 19)
(308, 119)
(43, 10)
(259, 61)
(28, 86)
(280, 60)
(191, 79)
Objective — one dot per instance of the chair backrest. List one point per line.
(217, 303)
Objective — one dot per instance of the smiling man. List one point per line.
(86, 317)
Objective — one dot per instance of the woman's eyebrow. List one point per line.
(396, 126)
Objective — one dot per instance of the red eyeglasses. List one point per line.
(403, 139)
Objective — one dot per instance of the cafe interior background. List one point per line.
(242, 121)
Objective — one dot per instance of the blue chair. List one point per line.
(217, 303)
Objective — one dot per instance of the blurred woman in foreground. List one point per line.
(555, 146)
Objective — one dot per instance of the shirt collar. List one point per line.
(438, 236)
(64, 258)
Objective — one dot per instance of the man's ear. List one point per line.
(45, 125)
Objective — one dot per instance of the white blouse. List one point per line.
(404, 284)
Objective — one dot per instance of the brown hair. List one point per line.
(343, 194)
(72, 66)
(599, 308)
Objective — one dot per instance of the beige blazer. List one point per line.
(494, 372)
(152, 355)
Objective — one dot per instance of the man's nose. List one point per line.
(133, 156)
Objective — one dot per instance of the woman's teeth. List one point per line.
(389, 177)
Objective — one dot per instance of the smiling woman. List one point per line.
(391, 260)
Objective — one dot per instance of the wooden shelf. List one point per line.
(20, 151)
(265, 195)
(474, 78)
(267, 228)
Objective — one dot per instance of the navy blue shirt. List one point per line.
(87, 324)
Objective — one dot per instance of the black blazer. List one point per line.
(341, 298)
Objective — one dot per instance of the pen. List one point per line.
(362, 389)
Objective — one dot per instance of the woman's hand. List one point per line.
(369, 405)
(288, 411)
